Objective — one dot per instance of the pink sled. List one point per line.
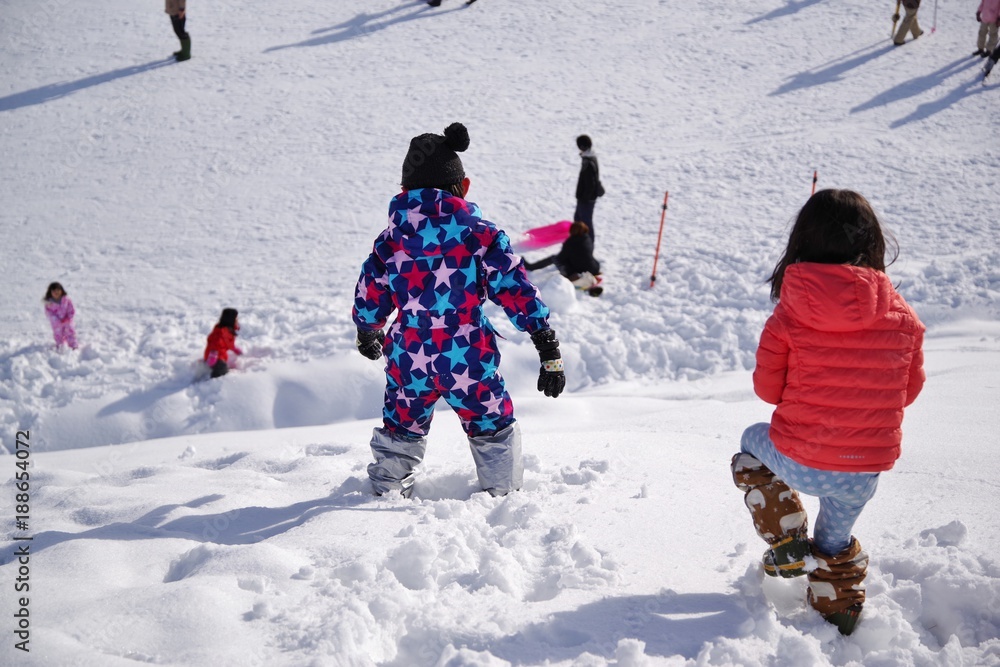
(543, 237)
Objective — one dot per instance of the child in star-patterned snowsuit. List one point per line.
(435, 265)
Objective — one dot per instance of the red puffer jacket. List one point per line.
(841, 356)
(220, 342)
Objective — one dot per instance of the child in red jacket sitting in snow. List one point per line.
(840, 357)
(222, 341)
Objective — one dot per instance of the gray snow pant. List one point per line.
(497, 457)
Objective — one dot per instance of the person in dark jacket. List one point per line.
(222, 341)
(575, 258)
(588, 184)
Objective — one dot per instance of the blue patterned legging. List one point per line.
(842, 495)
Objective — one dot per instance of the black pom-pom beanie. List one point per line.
(432, 159)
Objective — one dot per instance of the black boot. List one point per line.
(185, 52)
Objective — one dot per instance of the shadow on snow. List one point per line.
(792, 7)
(240, 526)
(669, 624)
(923, 84)
(55, 91)
(365, 24)
(143, 399)
(833, 70)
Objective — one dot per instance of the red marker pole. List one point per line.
(815, 178)
(656, 257)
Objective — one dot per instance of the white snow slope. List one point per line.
(231, 523)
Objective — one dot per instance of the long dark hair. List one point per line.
(53, 286)
(835, 227)
(228, 319)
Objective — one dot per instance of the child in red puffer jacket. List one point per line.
(222, 341)
(840, 358)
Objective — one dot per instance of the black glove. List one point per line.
(370, 343)
(979, 18)
(551, 378)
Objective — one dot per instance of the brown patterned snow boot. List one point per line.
(778, 516)
(836, 586)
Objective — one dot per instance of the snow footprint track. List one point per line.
(488, 556)
(926, 595)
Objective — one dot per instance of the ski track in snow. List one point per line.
(174, 525)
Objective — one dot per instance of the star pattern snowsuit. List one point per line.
(60, 314)
(436, 264)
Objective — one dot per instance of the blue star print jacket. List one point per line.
(436, 264)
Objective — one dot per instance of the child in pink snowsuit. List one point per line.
(988, 16)
(60, 312)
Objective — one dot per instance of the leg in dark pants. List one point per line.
(585, 213)
(540, 264)
(991, 61)
(178, 22)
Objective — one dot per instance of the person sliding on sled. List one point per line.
(840, 357)
(222, 341)
(575, 260)
(435, 265)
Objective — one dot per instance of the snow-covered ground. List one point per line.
(229, 522)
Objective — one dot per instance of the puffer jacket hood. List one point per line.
(835, 297)
(840, 358)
